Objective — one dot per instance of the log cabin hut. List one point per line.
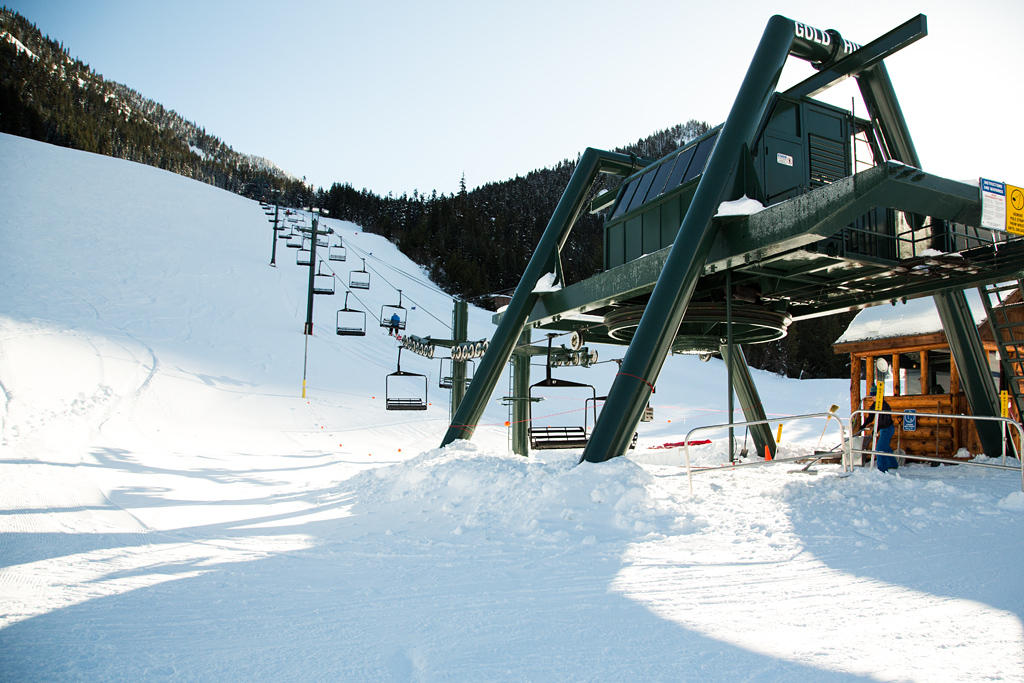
(921, 374)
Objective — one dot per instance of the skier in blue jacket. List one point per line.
(886, 429)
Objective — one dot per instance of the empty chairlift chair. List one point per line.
(351, 322)
(323, 283)
(444, 377)
(552, 437)
(359, 279)
(405, 390)
(304, 256)
(337, 252)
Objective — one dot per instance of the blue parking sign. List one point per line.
(910, 420)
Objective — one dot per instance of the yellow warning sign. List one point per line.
(1015, 210)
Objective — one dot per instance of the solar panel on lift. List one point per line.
(627, 194)
(641, 191)
(700, 157)
(658, 186)
(682, 163)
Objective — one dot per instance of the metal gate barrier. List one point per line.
(780, 421)
(1004, 422)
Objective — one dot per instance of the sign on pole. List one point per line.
(993, 204)
(910, 420)
(1015, 210)
(1002, 206)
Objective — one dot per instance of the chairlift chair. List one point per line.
(397, 389)
(359, 279)
(323, 283)
(351, 322)
(337, 252)
(549, 437)
(304, 256)
(444, 380)
(294, 241)
(388, 312)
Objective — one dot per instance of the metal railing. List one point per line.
(780, 421)
(1004, 421)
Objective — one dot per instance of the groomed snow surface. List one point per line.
(171, 509)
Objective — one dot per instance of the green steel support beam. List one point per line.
(521, 397)
(727, 354)
(629, 280)
(308, 327)
(543, 261)
(972, 362)
(750, 401)
(823, 212)
(863, 58)
(654, 336)
(885, 111)
(964, 340)
(460, 334)
(780, 228)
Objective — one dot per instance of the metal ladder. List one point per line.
(1004, 305)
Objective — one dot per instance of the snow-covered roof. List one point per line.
(917, 316)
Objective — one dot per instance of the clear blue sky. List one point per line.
(396, 96)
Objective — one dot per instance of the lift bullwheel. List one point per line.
(703, 328)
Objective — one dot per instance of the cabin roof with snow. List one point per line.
(913, 318)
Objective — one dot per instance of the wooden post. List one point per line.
(869, 374)
(926, 379)
(956, 405)
(855, 387)
(895, 374)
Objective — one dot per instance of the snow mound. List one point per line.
(744, 206)
(1014, 502)
(462, 489)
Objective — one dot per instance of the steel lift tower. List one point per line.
(682, 275)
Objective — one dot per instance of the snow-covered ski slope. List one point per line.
(171, 509)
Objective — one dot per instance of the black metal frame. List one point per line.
(350, 331)
(404, 403)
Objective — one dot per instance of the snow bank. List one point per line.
(462, 490)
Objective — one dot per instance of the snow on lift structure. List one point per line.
(359, 279)
(323, 283)
(388, 312)
(304, 256)
(405, 390)
(351, 321)
(337, 252)
(552, 437)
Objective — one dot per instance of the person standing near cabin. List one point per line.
(395, 322)
(886, 429)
